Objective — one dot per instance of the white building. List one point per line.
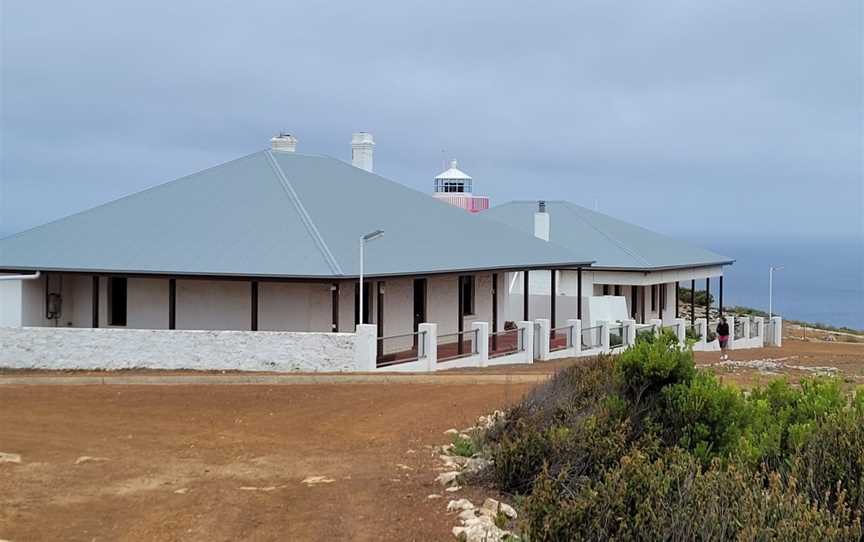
(639, 266)
(271, 242)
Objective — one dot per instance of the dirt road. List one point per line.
(227, 462)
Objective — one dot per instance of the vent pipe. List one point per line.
(541, 221)
(362, 146)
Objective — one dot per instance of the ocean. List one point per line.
(822, 280)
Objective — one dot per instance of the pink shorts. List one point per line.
(724, 340)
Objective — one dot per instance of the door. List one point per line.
(419, 305)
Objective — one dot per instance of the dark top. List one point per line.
(723, 329)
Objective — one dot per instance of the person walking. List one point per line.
(723, 337)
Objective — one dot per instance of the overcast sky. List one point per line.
(717, 117)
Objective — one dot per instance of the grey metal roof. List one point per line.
(278, 214)
(611, 243)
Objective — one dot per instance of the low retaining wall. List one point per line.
(111, 349)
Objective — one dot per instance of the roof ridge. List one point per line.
(620, 244)
(304, 216)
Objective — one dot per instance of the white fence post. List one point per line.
(528, 339)
(629, 330)
(544, 325)
(429, 333)
(482, 342)
(680, 331)
(604, 337)
(777, 331)
(576, 330)
(365, 347)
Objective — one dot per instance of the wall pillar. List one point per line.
(680, 332)
(604, 337)
(482, 342)
(576, 334)
(545, 333)
(430, 347)
(528, 338)
(777, 331)
(629, 330)
(365, 347)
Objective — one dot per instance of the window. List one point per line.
(617, 289)
(653, 297)
(117, 301)
(663, 297)
(467, 285)
(605, 289)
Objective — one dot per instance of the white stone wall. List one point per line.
(111, 349)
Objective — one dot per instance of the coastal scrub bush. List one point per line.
(642, 446)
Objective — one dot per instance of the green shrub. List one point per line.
(673, 498)
(644, 447)
(648, 366)
(463, 446)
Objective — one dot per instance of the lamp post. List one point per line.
(771, 270)
(371, 236)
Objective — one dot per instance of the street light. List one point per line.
(771, 270)
(371, 236)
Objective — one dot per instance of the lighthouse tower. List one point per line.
(455, 187)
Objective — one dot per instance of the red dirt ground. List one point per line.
(214, 440)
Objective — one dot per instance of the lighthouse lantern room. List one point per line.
(455, 187)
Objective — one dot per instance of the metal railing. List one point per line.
(560, 338)
(403, 348)
(509, 341)
(617, 336)
(591, 337)
(457, 345)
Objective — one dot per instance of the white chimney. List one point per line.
(541, 221)
(362, 146)
(284, 143)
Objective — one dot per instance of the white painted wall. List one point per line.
(10, 303)
(295, 306)
(207, 304)
(111, 349)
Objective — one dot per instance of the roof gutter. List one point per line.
(34, 276)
